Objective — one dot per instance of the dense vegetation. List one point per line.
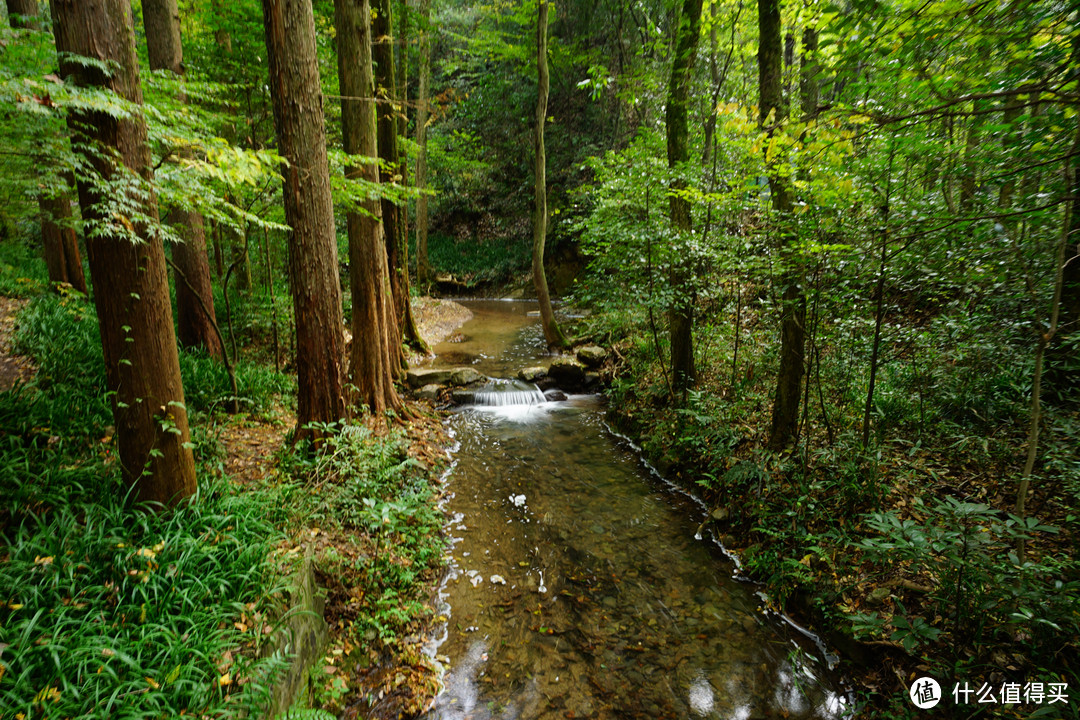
(833, 246)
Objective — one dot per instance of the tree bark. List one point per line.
(424, 274)
(24, 14)
(131, 289)
(61, 245)
(785, 416)
(371, 357)
(195, 325)
(382, 52)
(309, 211)
(552, 332)
(681, 312)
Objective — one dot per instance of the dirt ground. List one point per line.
(13, 368)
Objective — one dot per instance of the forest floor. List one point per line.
(13, 367)
(358, 679)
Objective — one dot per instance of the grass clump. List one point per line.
(379, 547)
(110, 609)
(22, 269)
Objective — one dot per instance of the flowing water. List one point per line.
(577, 587)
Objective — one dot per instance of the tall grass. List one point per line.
(110, 609)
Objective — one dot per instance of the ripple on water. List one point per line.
(607, 607)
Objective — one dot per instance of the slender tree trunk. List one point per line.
(552, 333)
(372, 357)
(61, 244)
(423, 264)
(785, 417)
(309, 210)
(681, 312)
(131, 290)
(219, 255)
(161, 19)
(382, 53)
(879, 309)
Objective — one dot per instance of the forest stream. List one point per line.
(577, 587)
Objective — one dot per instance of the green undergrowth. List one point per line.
(370, 512)
(70, 322)
(477, 262)
(22, 269)
(904, 552)
(108, 608)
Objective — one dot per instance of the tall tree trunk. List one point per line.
(681, 312)
(552, 333)
(24, 14)
(423, 264)
(60, 242)
(382, 53)
(371, 358)
(785, 417)
(131, 290)
(195, 316)
(309, 211)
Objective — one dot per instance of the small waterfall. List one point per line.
(508, 392)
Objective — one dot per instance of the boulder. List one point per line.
(532, 374)
(419, 377)
(567, 372)
(592, 355)
(429, 392)
(465, 376)
(462, 397)
(554, 395)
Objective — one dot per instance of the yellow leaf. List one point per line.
(806, 561)
(47, 560)
(152, 683)
(240, 626)
(224, 680)
(47, 694)
(16, 606)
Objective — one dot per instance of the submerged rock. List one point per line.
(555, 395)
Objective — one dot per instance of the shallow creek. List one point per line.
(577, 586)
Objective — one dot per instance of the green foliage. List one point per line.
(22, 270)
(367, 486)
(112, 609)
(206, 384)
(479, 261)
(984, 594)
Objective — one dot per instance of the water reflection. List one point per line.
(578, 589)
